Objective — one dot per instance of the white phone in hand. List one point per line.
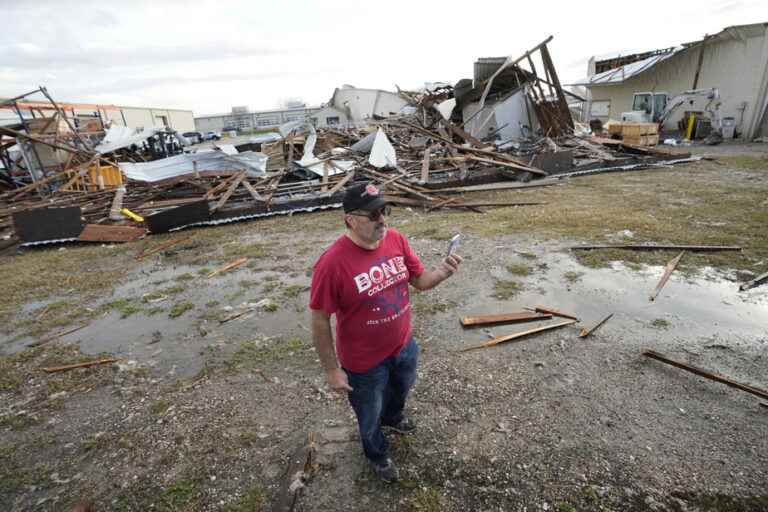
(453, 244)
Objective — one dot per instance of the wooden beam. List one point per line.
(640, 247)
(54, 369)
(510, 337)
(671, 266)
(554, 312)
(224, 198)
(586, 332)
(708, 375)
(754, 282)
(472, 321)
(228, 267)
(425, 165)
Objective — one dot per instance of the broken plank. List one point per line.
(350, 175)
(554, 312)
(472, 321)
(55, 336)
(642, 247)
(86, 364)
(586, 332)
(500, 186)
(708, 375)
(224, 198)
(510, 337)
(105, 233)
(425, 165)
(754, 282)
(252, 191)
(163, 246)
(671, 266)
(511, 165)
(228, 267)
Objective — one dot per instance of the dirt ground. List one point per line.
(204, 408)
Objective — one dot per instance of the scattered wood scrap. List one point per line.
(227, 267)
(86, 364)
(162, 247)
(671, 266)
(648, 247)
(762, 278)
(554, 312)
(55, 336)
(708, 375)
(517, 335)
(301, 466)
(474, 321)
(586, 332)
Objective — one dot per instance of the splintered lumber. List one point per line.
(229, 192)
(87, 364)
(755, 282)
(708, 375)
(554, 312)
(510, 337)
(671, 266)
(472, 321)
(501, 186)
(228, 267)
(163, 246)
(344, 181)
(55, 336)
(105, 233)
(425, 166)
(511, 165)
(640, 247)
(586, 332)
(301, 466)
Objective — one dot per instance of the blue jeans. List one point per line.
(378, 397)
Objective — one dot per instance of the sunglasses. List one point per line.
(374, 215)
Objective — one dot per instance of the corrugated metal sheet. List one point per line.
(624, 73)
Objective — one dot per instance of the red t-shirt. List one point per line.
(368, 292)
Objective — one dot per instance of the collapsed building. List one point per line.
(508, 127)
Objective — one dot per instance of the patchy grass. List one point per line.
(159, 407)
(504, 290)
(204, 271)
(180, 308)
(269, 286)
(527, 255)
(698, 203)
(425, 499)
(85, 271)
(270, 307)
(294, 290)
(519, 269)
(572, 276)
(429, 304)
(253, 353)
(179, 496)
(254, 500)
(126, 307)
(56, 319)
(660, 323)
(163, 293)
(250, 251)
(184, 277)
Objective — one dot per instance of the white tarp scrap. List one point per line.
(227, 149)
(309, 141)
(265, 137)
(187, 163)
(382, 153)
(333, 166)
(446, 108)
(118, 137)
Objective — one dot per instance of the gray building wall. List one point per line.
(735, 63)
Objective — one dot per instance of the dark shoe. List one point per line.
(386, 470)
(405, 426)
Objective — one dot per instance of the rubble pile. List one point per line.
(508, 127)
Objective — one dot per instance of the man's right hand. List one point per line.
(337, 380)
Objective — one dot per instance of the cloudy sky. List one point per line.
(211, 55)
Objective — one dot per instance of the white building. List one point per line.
(735, 61)
(353, 107)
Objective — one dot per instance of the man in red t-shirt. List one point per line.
(363, 279)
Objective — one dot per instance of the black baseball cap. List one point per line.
(365, 196)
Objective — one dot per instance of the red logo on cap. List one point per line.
(371, 190)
